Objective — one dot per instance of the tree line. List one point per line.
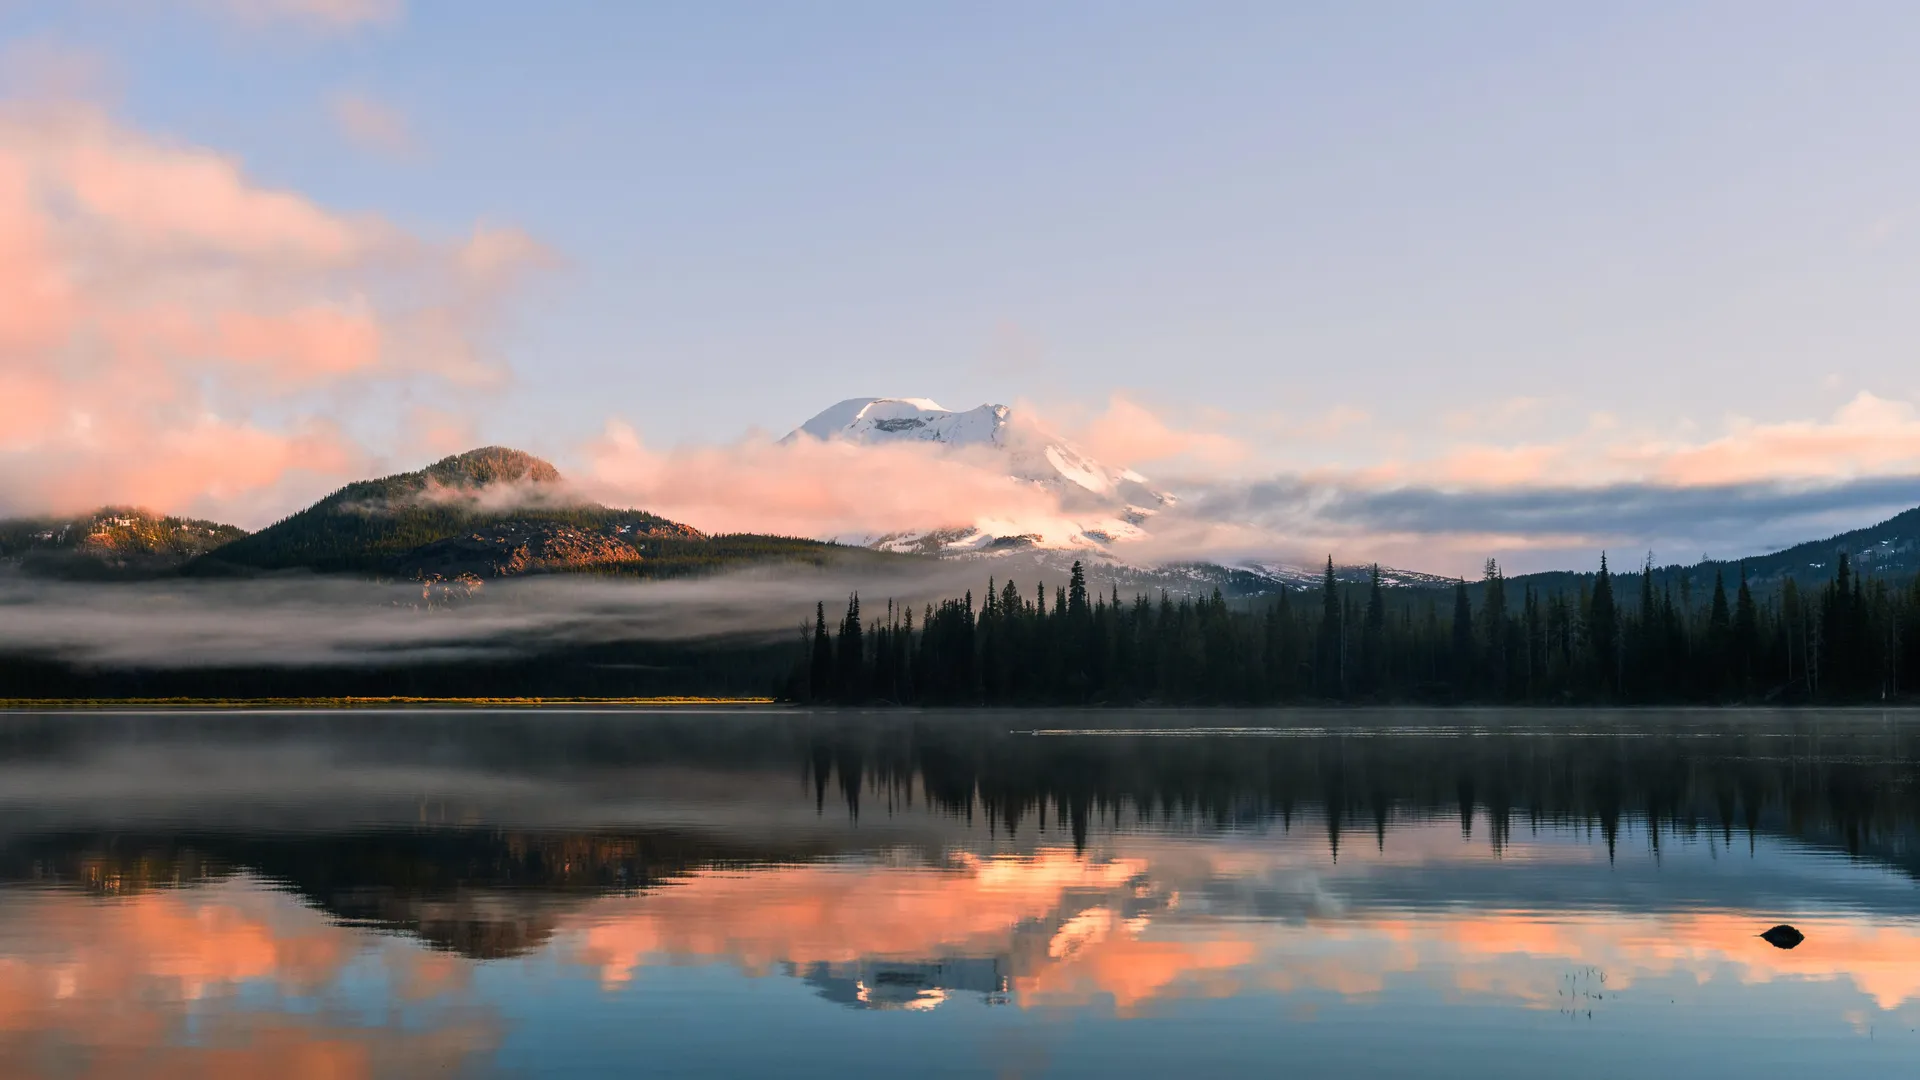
(1618, 639)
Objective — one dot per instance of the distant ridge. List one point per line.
(1888, 550)
(111, 542)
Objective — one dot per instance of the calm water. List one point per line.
(1421, 894)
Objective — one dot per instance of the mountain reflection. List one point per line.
(164, 881)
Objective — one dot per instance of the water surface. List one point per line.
(1006, 894)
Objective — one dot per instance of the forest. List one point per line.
(1613, 639)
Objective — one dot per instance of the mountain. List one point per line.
(487, 513)
(1102, 506)
(111, 542)
(1105, 507)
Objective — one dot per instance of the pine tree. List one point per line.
(1077, 592)
(1603, 630)
(1719, 636)
(820, 671)
(1462, 641)
(1746, 635)
(1329, 647)
(851, 654)
(1494, 603)
(1373, 633)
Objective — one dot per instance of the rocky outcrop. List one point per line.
(512, 548)
(1783, 936)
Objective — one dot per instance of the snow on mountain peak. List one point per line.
(876, 420)
(1100, 504)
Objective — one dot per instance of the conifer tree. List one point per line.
(1719, 617)
(1746, 634)
(1603, 630)
(1328, 648)
(1373, 633)
(1494, 610)
(1077, 592)
(850, 652)
(1719, 644)
(1462, 641)
(820, 670)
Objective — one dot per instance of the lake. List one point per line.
(741, 892)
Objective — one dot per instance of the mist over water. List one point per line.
(1063, 893)
(301, 619)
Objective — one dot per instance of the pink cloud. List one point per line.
(809, 488)
(1129, 434)
(1868, 436)
(161, 303)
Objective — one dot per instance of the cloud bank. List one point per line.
(303, 620)
(1751, 488)
(172, 324)
(810, 488)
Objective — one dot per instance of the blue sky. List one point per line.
(1345, 234)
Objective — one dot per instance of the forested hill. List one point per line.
(491, 512)
(1889, 551)
(111, 542)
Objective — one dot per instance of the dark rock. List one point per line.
(1784, 937)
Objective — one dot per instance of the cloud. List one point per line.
(158, 984)
(1129, 434)
(304, 620)
(49, 68)
(326, 14)
(1335, 422)
(1752, 488)
(1449, 529)
(372, 125)
(163, 306)
(812, 488)
(1867, 436)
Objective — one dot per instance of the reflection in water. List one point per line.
(219, 979)
(372, 895)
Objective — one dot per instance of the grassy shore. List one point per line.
(366, 702)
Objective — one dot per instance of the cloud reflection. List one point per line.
(223, 980)
(1153, 921)
(235, 978)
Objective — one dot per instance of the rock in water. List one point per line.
(1784, 937)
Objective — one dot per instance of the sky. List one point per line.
(1299, 258)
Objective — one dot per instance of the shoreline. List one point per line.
(32, 704)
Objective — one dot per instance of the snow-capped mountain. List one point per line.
(1102, 509)
(1100, 505)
